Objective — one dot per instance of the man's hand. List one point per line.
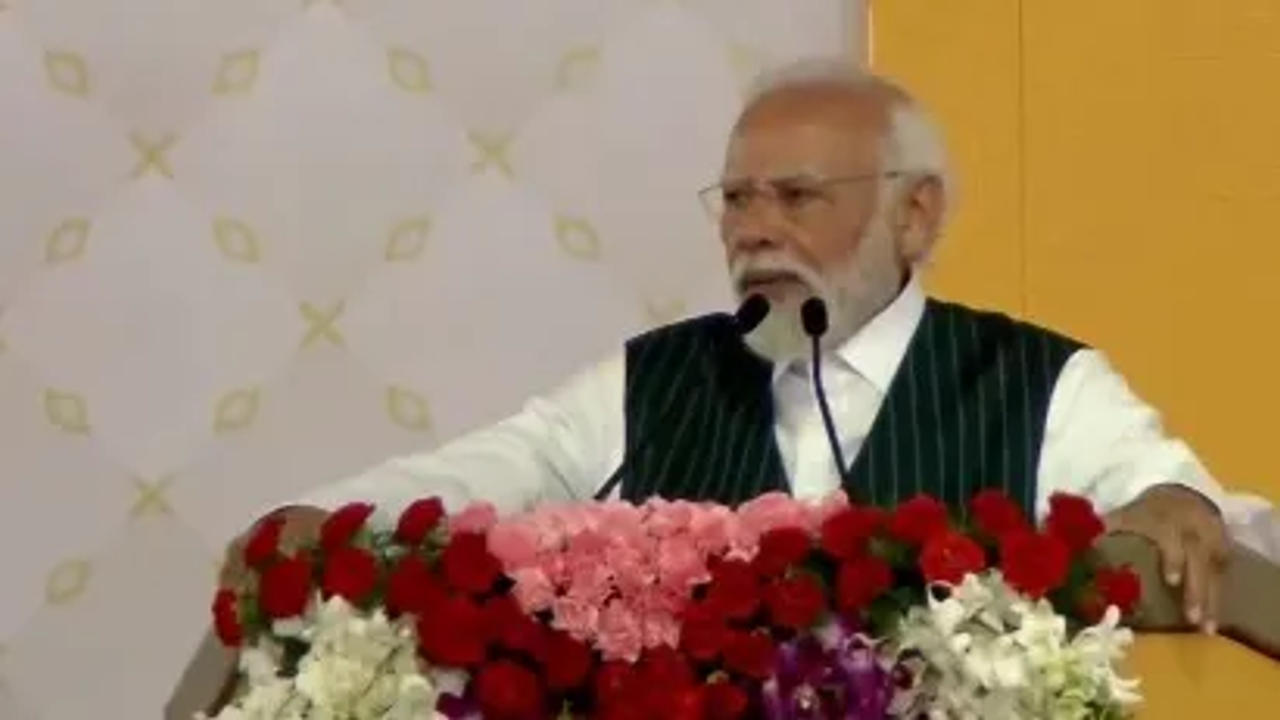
(1192, 540)
(301, 525)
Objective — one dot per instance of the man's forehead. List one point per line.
(806, 130)
(798, 148)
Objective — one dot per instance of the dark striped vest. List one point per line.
(965, 411)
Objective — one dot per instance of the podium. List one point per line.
(1184, 674)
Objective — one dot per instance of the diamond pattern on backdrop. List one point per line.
(247, 247)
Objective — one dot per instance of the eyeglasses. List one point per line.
(792, 194)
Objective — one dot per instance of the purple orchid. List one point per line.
(835, 675)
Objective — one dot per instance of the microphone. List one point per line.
(813, 315)
(751, 313)
(748, 317)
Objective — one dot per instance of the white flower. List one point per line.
(357, 666)
(990, 653)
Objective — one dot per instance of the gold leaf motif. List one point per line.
(409, 70)
(67, 72)
(577, 238)
(493, 152)
(408, 409)
(664, 311)
(67, 241)
(321, 323)
(152, 499)
(151, 154)
(67, 581)
(575, 64)
(236, 240)
(236, 73)
(67, 411)
(408, 239)
(236, 410)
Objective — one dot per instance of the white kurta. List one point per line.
(1100, 439)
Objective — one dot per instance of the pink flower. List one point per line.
(633, 569)
(555, 567)
(622, 519)
(588, 544)
(590, 579)
(712, 528)
(533, 589)
(829, 505)
(620, 633)
(577, 617)
(477, 517)
(516, 544)
(772, 510)
(669, 518)
(680, 565)
(661, 628)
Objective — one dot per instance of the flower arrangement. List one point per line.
(778, 608)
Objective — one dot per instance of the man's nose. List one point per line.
(752, 231)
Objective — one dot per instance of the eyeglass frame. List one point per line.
(817, 181)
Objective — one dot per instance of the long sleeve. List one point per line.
(561, 445)
(1103, 442)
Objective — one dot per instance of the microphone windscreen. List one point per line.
(751, 313)
(813, 314)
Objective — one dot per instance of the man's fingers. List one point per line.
(1173, 556)
(1195, 593)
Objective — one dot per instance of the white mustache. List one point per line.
(743, 268)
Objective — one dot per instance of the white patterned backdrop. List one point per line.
(247, 246)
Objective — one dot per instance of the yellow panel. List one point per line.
(1189, 676)
(1152, 188)
(961, 60)
(1152, 175)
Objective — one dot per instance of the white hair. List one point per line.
(913, 144)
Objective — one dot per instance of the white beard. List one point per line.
(854, 293)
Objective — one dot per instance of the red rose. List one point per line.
(687, 703)
(454, 633)
(1033, 563)
(664, 667)
(1120, 587)
(1073, 521)
(343, 524)
(508, 691)
(703, 632)
(285, 588)
(264, 543)
(795, 603)
(860, 581)
(750, 654)
(918, 519)
(845, 534)
(350, 573)
(734, 589)
(621, 710)
(614, 683)
(725, 701)
(418, 520)
(949, 556)
(468, 565)
(781, 548)
(412, 588)
(996, 515)
(568, 662)
(511, 628)
(226, 619)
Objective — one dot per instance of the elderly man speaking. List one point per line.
(834, 187)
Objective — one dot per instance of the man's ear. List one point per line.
(918, 218)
